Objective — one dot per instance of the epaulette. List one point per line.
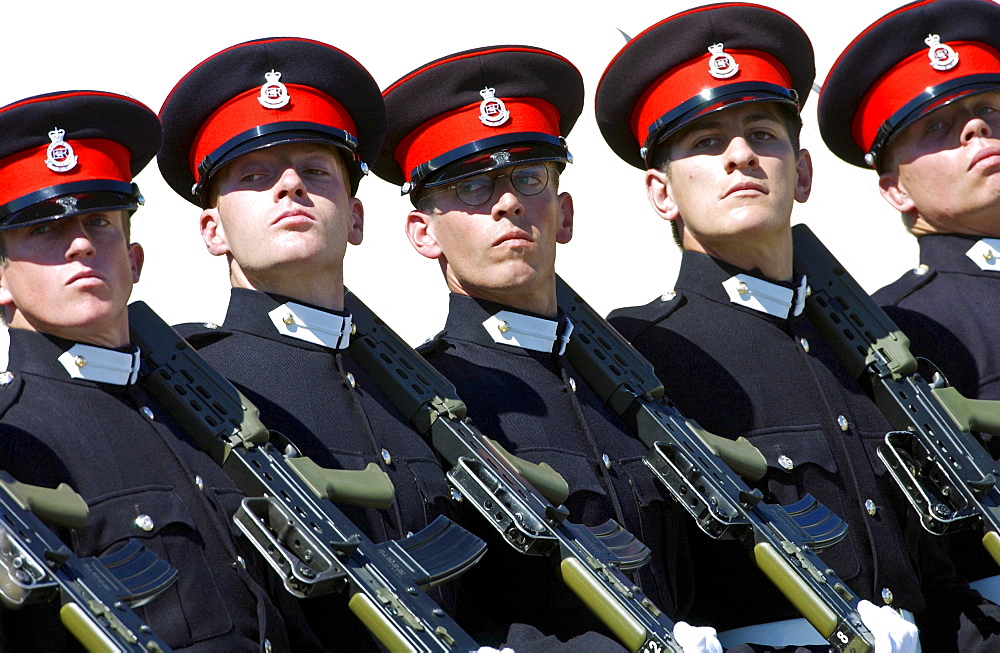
(202, 334)
(11, 385)
(906, 285)
(632, 321)
(432, 345)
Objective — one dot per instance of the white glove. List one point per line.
(696, 639)
(893, 634)
(490, 649)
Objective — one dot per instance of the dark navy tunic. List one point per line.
(536, 406)
(142, 478)
(949, 308)
(305, 391)
(741, 372)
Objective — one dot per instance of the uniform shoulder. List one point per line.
(11, 385)
(905, 286)
(433, 346)
(202, 334)
(631, 321)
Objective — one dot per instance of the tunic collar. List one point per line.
(724, 283)
(279, 318)
(959, 253)
(489, 323)
(58, 358)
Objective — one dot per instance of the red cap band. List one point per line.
(911, 77)
(244, 112)
(97, 158)
(691, 78)
(462, 126)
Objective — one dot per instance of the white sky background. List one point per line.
(621, 253)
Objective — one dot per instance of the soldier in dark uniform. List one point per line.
(270, 139)
(70, 407)
(707, 102)
(924, 111)
(477, 140)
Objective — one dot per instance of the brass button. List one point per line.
(805, 344)
(6, 378)
(606, 460)
(887, 595)
(80, 361)
(503, 327)
(386, 457)
(350, 380)
(199, 482)
(871, 507)
(572, 384)
(288, 319)
(922, 269)
(147, 411)
(743, 289)
(786, 462)
(842, 423)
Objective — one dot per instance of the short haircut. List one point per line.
(661, 155)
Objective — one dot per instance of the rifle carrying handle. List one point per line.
(543, 478)
(58, 507)
(367, 488)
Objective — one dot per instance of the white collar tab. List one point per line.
(100, 365)
(766, 297)
(312, 325)
(527, 332)
(985, 254)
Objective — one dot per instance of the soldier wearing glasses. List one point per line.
(481, 163)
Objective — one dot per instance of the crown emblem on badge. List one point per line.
(501, 158)
(492, 111)
(273, 94)
(942, 56)
(59, 156)
(721, 65)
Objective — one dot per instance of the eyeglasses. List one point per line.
(529, 179)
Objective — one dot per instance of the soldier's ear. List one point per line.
(565, 233)
(660, 194)
(420, 232)
(804, 175)
(136, 257)
(894, 192)
(213, 233)
(357, 232)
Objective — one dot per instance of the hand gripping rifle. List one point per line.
(97, 594)
(520, 499)
(289, 514)
(702, 471)
(946, 474)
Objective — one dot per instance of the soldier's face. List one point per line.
(946, 167)
(502, 250)
(72, 278)
(283, 210)
(734, 176)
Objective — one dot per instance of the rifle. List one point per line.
(943, 469)
(702, 471)
(289, 512)
(96, 594)
(520, 499)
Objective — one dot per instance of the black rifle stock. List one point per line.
(96, 594)
(520, 499)
(700, 471)
(946, 474)
(289, 513)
